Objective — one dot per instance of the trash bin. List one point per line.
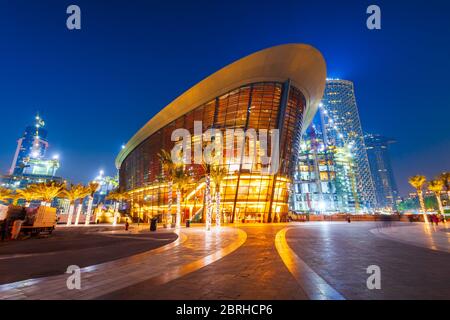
(188, 223)
(153, 224)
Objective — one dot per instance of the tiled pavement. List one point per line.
(423, 235)
(43, 257)
(340, 253)
(254, 271)
(315, 287)
(191, 251)
(276, 261)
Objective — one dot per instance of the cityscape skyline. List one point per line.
(104, 79)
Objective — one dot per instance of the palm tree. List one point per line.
(121, 196)
(84, 191)
(73, 194)
(180, 179)
(15, 198)
(417, 182)
(445, 177)
(26, 194)
(46, 192)
(208, 200)
(5, 194)
(113, 196)
(436, 187)
(218, 174)
(114, 182)
(118, 197)
(93, 187)
(168, 168)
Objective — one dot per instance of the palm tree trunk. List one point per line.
(421, 201)
(169, 205)
(184, 208)
(70, 215)
(208, 203)
(438, 198)
(178, 219)
(116, 213)
(422, 204)
(218, 208)
(89, 211)
(80, 206)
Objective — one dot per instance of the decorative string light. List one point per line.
(208, 203)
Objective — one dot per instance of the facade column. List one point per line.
(280, 127)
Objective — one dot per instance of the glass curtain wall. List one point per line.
(247, 194)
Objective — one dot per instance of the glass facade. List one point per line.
(324, 182)
(31, 146)
(30, 163)
(381, 168)
(248, 194)
(342, 128)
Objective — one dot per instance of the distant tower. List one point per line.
(382, 173)
(342, 128)
(31, 146)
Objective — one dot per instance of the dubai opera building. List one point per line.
(276, 88)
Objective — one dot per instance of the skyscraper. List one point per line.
(382, 174)
(342, 128)
(30, 164)
(31, 146)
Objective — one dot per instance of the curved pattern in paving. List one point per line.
(191, 251)
(315, 287)
(341, 253)
(253, 272)
(49, 256)
(263, 262)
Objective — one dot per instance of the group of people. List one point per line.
(436, 218)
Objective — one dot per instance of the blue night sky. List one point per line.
(96, 87)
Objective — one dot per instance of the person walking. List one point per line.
(126, 225)
(435, 219)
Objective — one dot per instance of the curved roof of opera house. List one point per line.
(302, 64)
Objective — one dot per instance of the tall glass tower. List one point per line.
(382, 174)
(342, 128)
(32, 145)
(30, 156)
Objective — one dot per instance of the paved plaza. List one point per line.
(318, 260)
(36, 258)
(408, 271)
